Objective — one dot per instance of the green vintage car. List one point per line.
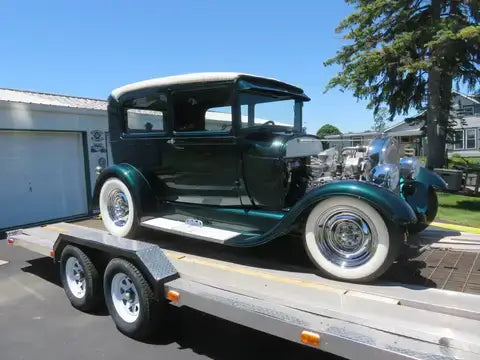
(223, 157)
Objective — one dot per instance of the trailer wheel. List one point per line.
(118, 209)
(130, 300)
(348, 240)
(80, 279)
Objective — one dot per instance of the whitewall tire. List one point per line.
(347, 239)
(117, 208)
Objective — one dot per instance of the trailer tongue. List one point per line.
(350, 320)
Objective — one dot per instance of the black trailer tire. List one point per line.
(130, 300)
(80, 279)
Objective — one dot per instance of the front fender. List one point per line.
(390, 205)
(134, 180)
(430, 179)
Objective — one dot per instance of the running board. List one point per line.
(192, 228)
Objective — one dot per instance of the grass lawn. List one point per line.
(459, 209)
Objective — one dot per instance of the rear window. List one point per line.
(139, 120)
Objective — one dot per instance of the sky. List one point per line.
(87, 48)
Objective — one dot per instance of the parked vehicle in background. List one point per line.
(379, 162)
(246, 184)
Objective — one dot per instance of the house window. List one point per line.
(468, 110)
(458, 144)
(356, 141)
(471, 139)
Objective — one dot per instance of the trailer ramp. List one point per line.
(385, 320)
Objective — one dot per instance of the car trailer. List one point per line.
(354, 321)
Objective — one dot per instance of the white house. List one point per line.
(410, 135)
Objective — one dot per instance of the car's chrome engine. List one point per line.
(378, 162)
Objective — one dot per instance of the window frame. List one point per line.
(472, 107)
(356, 138)
(140, 131)
(147, 134)
(455, 147)
(475, 132)
(206, 133)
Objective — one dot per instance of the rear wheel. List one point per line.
(130, 300)
(347, 239)
(119, 213)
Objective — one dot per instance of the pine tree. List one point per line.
(406, 54)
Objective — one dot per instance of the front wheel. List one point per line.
(347, 239)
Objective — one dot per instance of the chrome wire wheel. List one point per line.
(345, 237)
(117, 205)
(125, 297)
(75, 275)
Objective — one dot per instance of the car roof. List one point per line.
(193, 78)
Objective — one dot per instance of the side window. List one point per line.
(145, 120)
(219, 119)
(205, 110)
(146, 114)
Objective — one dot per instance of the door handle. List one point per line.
(171, 141)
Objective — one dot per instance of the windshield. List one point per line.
(259, 109)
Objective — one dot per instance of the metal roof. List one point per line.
(41, 98)
(188, 79)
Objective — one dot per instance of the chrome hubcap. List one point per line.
(345, 238)
(118, 209)
(75, 275)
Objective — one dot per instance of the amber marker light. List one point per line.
(173, 295)
(310, 338)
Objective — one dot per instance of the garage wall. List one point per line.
(92, 123)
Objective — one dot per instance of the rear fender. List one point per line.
(137, 184)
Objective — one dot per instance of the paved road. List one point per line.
(38, 323)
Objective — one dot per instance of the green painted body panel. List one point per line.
(417, 196)
(139, 187)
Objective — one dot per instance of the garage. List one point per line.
(44, 174)
(51, 147)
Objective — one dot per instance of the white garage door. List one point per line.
(42, 177)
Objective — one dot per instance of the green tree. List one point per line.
(325, 130)
(380, 119)
(406, 54)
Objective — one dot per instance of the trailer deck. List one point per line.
(388, 320)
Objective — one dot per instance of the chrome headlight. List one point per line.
(383, 151)
(410, 167)
(386, 175)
